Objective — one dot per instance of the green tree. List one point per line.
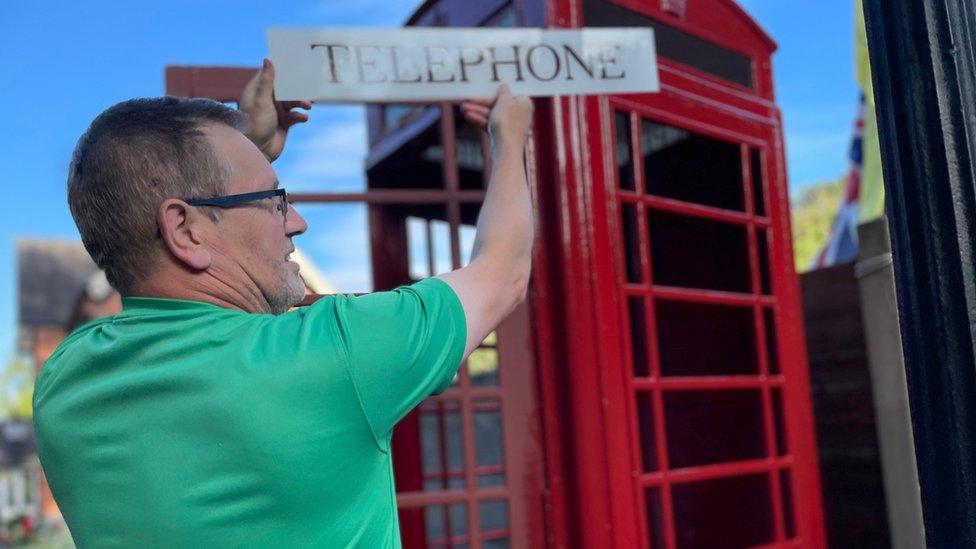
(813, 213)
(17, 389)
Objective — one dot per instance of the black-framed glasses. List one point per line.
(231, 200)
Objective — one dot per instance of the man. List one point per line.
(207, 414)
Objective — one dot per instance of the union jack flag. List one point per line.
(841, 246)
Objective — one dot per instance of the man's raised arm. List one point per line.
(496, 279)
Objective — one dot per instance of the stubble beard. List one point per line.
(289, 291)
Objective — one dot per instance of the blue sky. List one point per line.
(64, 63)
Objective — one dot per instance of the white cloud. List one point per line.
(328, 154)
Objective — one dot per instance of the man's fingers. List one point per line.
(296, 117)
(289, 105)
(288, 119)
(478, 121)
(483, 102)
(265, 89)
(475, 109)
(470, 106)
(476, 113)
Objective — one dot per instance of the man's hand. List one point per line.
(507, 118)
(497, 278)
(269, 120)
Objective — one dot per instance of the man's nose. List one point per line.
(295, 224)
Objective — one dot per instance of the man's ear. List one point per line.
(182, 228)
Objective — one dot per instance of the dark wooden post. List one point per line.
(922, 56)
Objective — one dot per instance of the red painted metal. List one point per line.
(705, 105)
(709, 472)
(514, 399)
(807, 512)
(550, 309)
(218, 83)
(572, 435)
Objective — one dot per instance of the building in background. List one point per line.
(20, 481)
(52, 276)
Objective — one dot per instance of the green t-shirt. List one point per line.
(180, 423)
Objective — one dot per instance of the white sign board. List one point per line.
(431, 64)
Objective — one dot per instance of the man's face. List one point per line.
(253, 243)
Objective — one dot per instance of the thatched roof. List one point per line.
(51, 276)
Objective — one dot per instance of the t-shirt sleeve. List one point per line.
(401, 346)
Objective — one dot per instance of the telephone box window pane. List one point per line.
(395, 115)
(655, 517)
(470, 212)
(434, 520)
(699, 253)
(725, 512)
(441, 451)
(431, 442)
(453, 440)
(455, 481)
(625, 160)
(488, 432)
(786, 489)
(441, 443)
(697, 339)
(781, 444)
(408, 252)
(496, 544)
(638, 336)
(466, 233)
(772, 348)
(417, 251)
(494, 515)
(470, 155)
(483, 367)
(459, 519)
(685, 166)
(630, 228)
(648, 443)
(491, 480)
(418, 163)
(758, 188)
(441, 232)
(445, 522)
(713, 426)
(762, 246)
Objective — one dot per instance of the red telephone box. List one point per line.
(653, 390)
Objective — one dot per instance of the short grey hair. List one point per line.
(133, 156)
